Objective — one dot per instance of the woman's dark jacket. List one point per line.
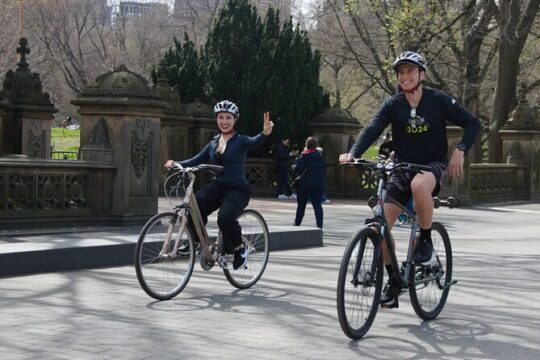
(314, 177)
(233, 158)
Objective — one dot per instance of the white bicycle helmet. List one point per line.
(410, 57)
(228, 107)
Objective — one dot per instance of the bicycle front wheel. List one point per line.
(359, 284)
(254, 235)
(163, 272)
(430, 284)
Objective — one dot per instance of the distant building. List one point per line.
(128, 9)
(192, 10)
(284, 7)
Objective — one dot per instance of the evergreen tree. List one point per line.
(185, 70)
(260, 65)
(231, 60)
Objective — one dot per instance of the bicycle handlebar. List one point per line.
(214, 169)
(383, 166)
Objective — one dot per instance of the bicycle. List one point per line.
(360, 280)
(166, 249)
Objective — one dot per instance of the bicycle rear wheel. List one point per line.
(254, 235)
(359, 284)
(162, 273)
(430, 284)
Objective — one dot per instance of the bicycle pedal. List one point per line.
(453, 282)
(223, 261)
(394, 305)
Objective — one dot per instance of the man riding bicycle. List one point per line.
(417, 116)
(229, 191)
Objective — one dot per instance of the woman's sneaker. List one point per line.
(240, 257)
(183, 249)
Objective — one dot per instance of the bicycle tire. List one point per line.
(163, 276)
(358, 301)
(428, 299)
(254, 233)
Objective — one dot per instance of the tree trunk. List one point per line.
(475, 28)
(514, 28)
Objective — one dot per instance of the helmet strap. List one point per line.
(412, 91)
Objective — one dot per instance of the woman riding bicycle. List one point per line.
(229, 191)
(418, 118)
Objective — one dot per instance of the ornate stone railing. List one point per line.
(341, 181)
(497, 183)
(54, 191)
(262, 176)
(65, 155)
(488, 182)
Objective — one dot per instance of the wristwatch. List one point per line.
(461, 147)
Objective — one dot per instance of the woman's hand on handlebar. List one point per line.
(170, 164)
(345, 158)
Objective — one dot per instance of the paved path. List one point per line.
(492, 313)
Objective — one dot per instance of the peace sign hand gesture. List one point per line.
(268, 124)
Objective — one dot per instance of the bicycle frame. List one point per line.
(385, 237)
(361, 274)
(189, 207)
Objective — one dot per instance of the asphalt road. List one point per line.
(492, 313)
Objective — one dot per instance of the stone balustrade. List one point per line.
(54, 192)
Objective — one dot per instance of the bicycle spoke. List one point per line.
(161, 270)
(359, 289)
(255, 236)
(429, 292)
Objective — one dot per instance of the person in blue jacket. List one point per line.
(310, 165)
(229, 191)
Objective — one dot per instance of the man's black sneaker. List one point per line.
(423, 252)
(240, 257)
(391, 292)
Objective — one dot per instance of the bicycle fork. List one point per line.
(369, 278)
(168, 237)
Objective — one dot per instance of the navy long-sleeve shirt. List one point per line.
(420, 139)
(282, 155)
(233, 158)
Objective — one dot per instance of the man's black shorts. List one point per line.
(399, 185)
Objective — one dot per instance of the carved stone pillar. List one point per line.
(175, 122)
(336, 130)
(120, 123)
(25, 126)
(521, 144)
(204, 125)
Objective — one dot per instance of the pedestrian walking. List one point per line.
(283, 155)
(310, 167)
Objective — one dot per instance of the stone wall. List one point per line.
(54, 193)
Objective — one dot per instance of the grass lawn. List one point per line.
(65, 139)
(372, 152)
(69, 140)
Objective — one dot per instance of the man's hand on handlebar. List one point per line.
(345, 158)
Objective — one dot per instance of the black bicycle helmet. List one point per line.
(410, 57)
(228, 107)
